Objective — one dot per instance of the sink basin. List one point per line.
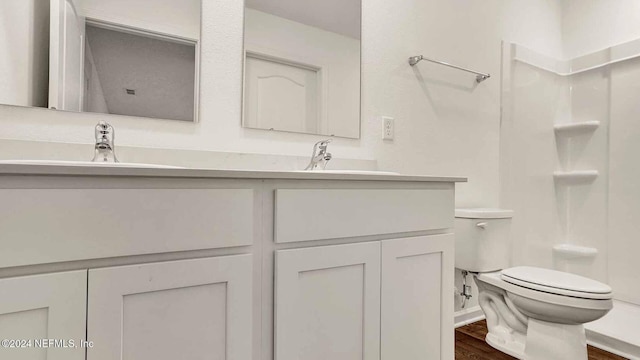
(352, 172)
(86, 163)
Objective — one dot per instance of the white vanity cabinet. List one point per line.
(197, 264)
(36, 308)
(188, 309)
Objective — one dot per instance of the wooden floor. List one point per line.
(470, 345)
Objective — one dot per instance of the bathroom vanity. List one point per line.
(135, 263)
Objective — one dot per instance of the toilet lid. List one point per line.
(556, 282)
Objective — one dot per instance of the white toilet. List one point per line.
(532, 313)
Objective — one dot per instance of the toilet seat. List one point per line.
(495, 279)
(556, 282)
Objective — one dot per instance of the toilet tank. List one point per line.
(483, 239)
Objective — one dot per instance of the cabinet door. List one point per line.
(328, 303)
(417, 307)
(51, 306)
(190, 309)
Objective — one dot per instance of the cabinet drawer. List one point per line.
(52, 225)
(316, 214)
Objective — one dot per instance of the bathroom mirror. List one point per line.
(122, 57)
(302, 66)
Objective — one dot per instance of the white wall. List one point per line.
(583, 25)
(548, 212)
(624, 171)
(175, 17)
(602, 214)
(94, 96)
(592, 25)
(445, 122)
(24, 70)
(161, 72)
(529, 157)
(337, 16)
(587, 205)
(337, 55)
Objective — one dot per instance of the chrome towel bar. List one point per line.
(480, 77)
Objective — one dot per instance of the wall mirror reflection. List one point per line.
(122, 57)
(302, 66)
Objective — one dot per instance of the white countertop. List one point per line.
(74, 170)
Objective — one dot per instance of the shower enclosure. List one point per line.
(569, 167)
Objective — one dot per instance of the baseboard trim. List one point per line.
(467, 316)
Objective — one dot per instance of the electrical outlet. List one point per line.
(387, 128)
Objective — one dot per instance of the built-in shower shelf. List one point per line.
(578, 128)
(575, 177)
(574, 251)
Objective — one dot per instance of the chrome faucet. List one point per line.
(105, 146)
(320, 155)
